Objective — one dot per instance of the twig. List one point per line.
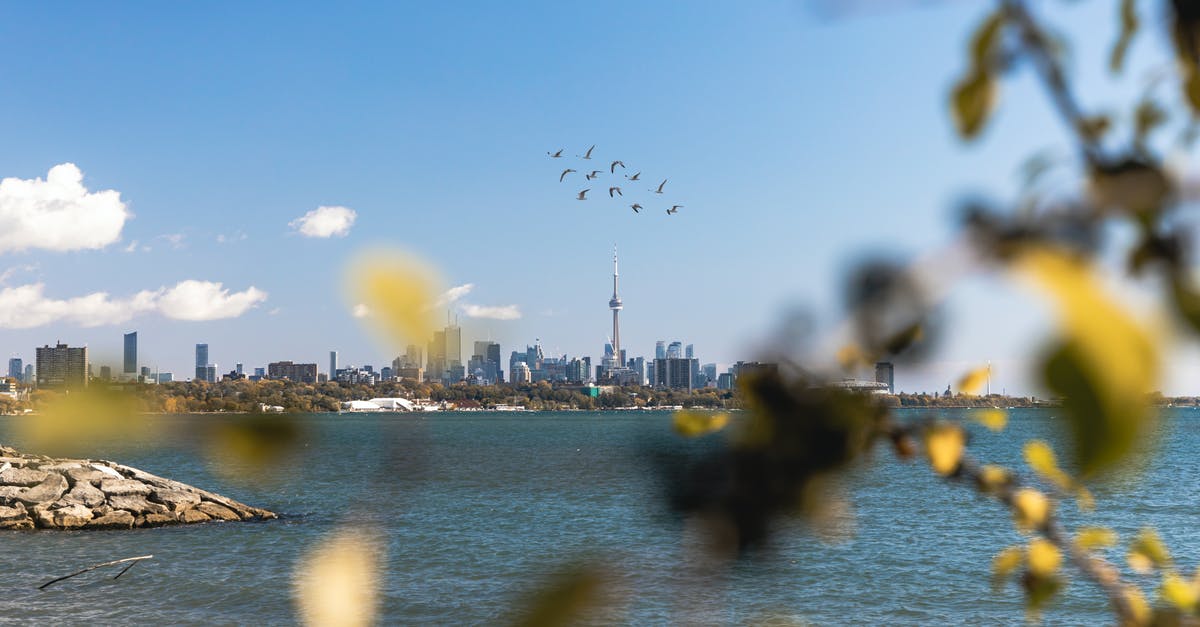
(134, 560)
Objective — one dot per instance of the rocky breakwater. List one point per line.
(44, 493)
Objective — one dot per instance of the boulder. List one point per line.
(217, 512)
(117, 519)
(23, 476)
(9, 492)
(136, 503)
(22, 524)
(193, 516)
(85, 475)
(60, 467)
(71, 516)
(157, 520)
(175, 500)
(15, 512)
(44, 492)
(121, 487)
(85, 493)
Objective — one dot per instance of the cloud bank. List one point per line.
(27, 306)
(497, 312)
(325, 222)
(58, 213)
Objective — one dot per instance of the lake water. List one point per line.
(478, 509)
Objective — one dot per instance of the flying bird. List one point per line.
(588, 154)
(612, 169)
(614, 189)
(593, 175)
(673, 209)
(635, 207)
(580, 196)
(555, 155)
(634, 177)
(564, 174)
(660, 186)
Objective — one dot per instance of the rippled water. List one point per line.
(479, 508)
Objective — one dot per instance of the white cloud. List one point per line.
(361, 311)
(237, 236)
(500, 312)
(453, 294)
(206, 300)
(132, 247)
(27, 306)
(174, 239)
(58, 213)
(325, 222)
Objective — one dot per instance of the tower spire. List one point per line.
(615, 305)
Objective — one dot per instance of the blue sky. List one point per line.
(796, 144)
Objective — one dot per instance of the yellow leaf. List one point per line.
(337, 583)
(1147, 552)
(944, 445)
(1106, 365)
(1092, 538)
(992, 478)
(1044, 557)
(396, 293)
(696, 423)
(1006, 562)
(1182, 594)
(1138, 606)
(972, 101)
(1031, 508)
(994, 419)
(1191, 85)
(1041, 459)
(985, 38)
(1083, 498)
(850, 356)
(971, 382)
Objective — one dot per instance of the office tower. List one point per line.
(690, 351)
(210, 373)
(28, 378)
(105, 373)
(260, 372)
(62, 367)
(520, 372)
(675, 350)
(674, 373)
(710, 373)
(332, 365)
(302, 373)
(638, 365)
(414, 356)
(885, 372)
(660, 350)
(16, 369)
(202, 362)
(131, 360)
(453, 353)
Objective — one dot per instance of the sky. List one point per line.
(206, 174)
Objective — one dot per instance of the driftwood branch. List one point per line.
(131, 560)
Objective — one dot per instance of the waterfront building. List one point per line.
(301, 373)
(673, 373)
(650, 374)
(62, 366)
(16, 369)
(578, 371)
(202, 362)
(885, 372)
(131, 359)
(520, 373)
(638, 366)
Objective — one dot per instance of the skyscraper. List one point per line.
(885, 372)
(62, 366)
(616, 305)
(660, 350)
(202, 362)
(675, 350)
(332, 365)
(130, 369)
(15, 369)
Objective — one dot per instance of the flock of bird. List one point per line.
(613, 190)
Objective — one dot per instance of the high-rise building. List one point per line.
(62, 366)
(674, 373)
(638, 366)
(520, 372)
(301, 373)
(238, 369)
(690, 351)
(332, 365)
(675, 350)
(202, 362)
(131, 360)
(210, 373)
(105, 373)
(28, 378)
(660, 350)
(16, 369)
(885, 372)
(710, 373)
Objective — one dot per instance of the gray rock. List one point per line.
(87, 475)
(23, 476)
(117, 519)
(60, 467)
(71, 516)
(136, 503)
(85, 493)
(44, 492)
(175, 500)
(9, 492)
(217, 512)
(121, 487)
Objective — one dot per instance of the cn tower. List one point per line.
(615, 306)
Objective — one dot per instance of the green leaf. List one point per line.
(1129, 26)
(972, 102)
(985, 38)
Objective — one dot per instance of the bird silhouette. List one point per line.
(612, 169)
(634, 177)
(614, 189)
(635, 207)
(660, 186)
(555, 155)
(593, 175)
(673, 209)
(588, 154)
(581, 194)
(564, 174)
